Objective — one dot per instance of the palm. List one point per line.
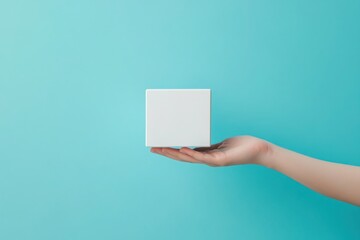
(236, 150)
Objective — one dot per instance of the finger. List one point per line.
(163, 152)
(169, 152)
(158, 150)
(203, 149)
(200, 156)
(155, 150)
(176, 154)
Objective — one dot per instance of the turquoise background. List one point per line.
(73, 75)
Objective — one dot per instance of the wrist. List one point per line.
(266, 156)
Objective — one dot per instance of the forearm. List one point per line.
(335, 180)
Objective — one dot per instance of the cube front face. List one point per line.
(178, 117)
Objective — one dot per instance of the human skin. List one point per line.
(334, 180)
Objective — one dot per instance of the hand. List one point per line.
(232, 151)
(339, 181)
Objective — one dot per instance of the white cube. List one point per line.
(178, 117)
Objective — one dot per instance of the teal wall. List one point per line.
(73, 76)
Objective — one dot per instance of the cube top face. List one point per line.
(178, 117)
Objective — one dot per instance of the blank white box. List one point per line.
(178, 117)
